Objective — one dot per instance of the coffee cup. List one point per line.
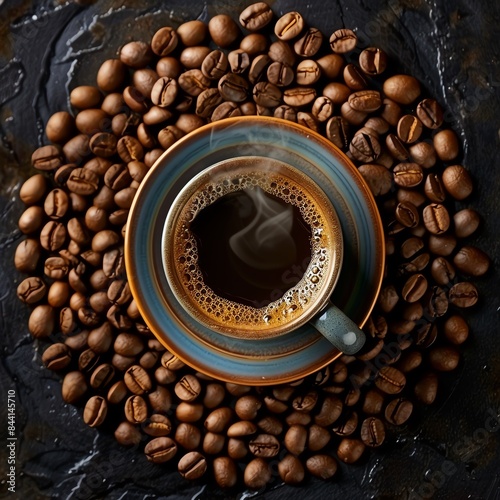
(253, 248)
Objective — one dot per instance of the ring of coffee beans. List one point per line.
(147, 98)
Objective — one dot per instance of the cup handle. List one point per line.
(341, 331)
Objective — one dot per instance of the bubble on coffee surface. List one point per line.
(228, 316)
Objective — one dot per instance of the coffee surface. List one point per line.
(252, 246)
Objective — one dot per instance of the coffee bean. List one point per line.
(388, 298)
(264, 445)
(239, 61)
(426, 388)
(318, 437)
(456, 329)
(403, 89)
(95, 411)
(446, 145)
(257, 474)
(305, 402)
(322, 466)
(373, 402)
(57, 356)
(127, 434)
(237, 448)
(192, 33)
(164, 92)
(347, 425)
(192, 465)
(241, 428)
(157, 425)
(430, 113)
(409, 129)
(189, 412)
(437, 303)
(102, 376)
(365, 147)
(233, 88)
(215, 65)
(47, 158)
(295, 439)
(225, 110)
(471, 261)
(350, 450)
(31, 290)
(289, 26)
(442, 245)
(408, 174)
(225, 472)
(463, 294)
(213, 443)
(466, 222)
(88, 360)
(309, 44)
(160, 450)
(188, 436)
(457, 182)
(407, 214)
(343, 41)
(280, 74)
(74, 387)
(193, 57)
(100, 338)
(436, 218)
(354, 78)
(129, 149)
(337, 131)
(223, 30)
(414, 288)
(367, 101)
(373, 432)
(136, 410)
(307, 73)
(444, 358)
(434, 189)
(373, 61)
(398, 411)
(442, 271)
(266, 94)
(390, 380)
(256, 16)
(60, 127)
(137, 380)
(247, 407)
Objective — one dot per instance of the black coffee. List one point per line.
(252, 246)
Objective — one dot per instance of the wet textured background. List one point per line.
(451, 450)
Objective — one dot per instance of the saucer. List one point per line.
(250, 361)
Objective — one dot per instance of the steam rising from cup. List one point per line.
(266, 242)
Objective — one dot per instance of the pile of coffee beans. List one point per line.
(148, 97)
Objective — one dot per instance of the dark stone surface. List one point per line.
(451, 451)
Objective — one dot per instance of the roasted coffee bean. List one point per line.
(215, 65)
(137, 380)
(354, 117)
(104, 239)
(100, 338)
(388, 298)
(157, 425)
(289, 26)
(117, 392)
(60, 127)
(192, 465)
(463, 294)
(239, 61)
(446, 145)
(409, 129)
(442, 245)
(347, 425)
(192, 33)
(188, 388)
(434, 189)
(309, 44)
(373, 61)
(444, 359)
(58, 294)
(127, 434)
(322, 109)
(430, 113)
(136, 54)
(426, 334)
(241, 428)
(31, 219)
(436, 218)
(408, 175)
(236, 448)
(83, 181)
(31, 290)
(305, 402)
(372, 432)
(350, 450)
(257, 474)
(91, 121)
(95, 411)
(457, 182)
(67, 322)
(188, 436)
(466, 222)
(103, 144)
(270, 425)
(295, 439)
(264, 445)
(129, 149)
(307, 73)
(426, 388)
(225, 110)
(390, 380)
(322, 466)
(337, 92)
(193, 57)
(213, 444)
(214, 395)
(225, 472)
(247, 407)
(164, 92)
(160, 400)
(442, 271)
(47, 158)
(365, 100)
(343, 40)
(258, 68)
(403, 89)
(164, 41)
(74, 387)
(57, 356)
(223, 30)
(102, 376)
(33, 189)
(456, 329)
(189, 412)
(299, 96)
(318, 437)
(256, 16)
(331, 65)
(373, 402)
(423, 153)
(254, 44)
(437, 303)
(414, 288)
(170, 134)
(471, 261)
(77, 148)
(291, 470)
(41, 321)
(111, 75)
(88, 361)
(136, 410)
(365, 147)
(398, 411)
(354, 78)
(128, 344)
(233, 88)
(337, 131)
(56, 267)
(160, 450)
(78, 341)
(207, 101)
(407, 214)
(280, 74)
(266, 94)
